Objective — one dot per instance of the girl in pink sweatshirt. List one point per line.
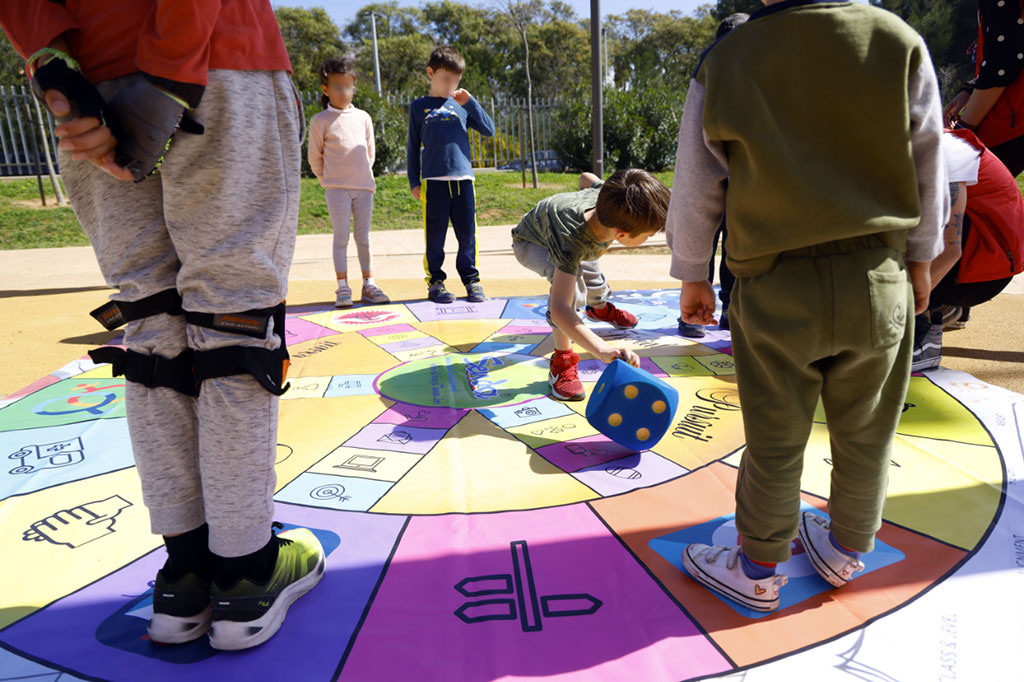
(341, 153)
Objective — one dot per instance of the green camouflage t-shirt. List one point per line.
(557, 224)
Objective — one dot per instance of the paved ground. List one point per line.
(46, 294)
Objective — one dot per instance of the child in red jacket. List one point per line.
(171, 95)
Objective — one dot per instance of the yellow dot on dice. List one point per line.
(642, 434)
(658, 406)
(614, 419)
(631, 391)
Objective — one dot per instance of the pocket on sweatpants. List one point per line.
(888, 293)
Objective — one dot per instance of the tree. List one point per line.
(12, 66)
(948, 28)
(523, 14)
(403, 45)
(310, 36)
(658, 50)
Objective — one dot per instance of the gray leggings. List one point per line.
(357, 204)
(218, 223)
(591, 286)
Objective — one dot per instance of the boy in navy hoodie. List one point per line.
(440, 122)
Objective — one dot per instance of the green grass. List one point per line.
(24, 224)
(500, 200)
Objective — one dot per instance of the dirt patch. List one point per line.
(540, 185)
(646, 251)
(51, 203)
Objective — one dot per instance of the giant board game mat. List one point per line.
(477, 530)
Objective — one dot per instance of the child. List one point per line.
(725, 278)
(561, 240)
(825, 225)
(439, 121)
(982, 241)
(210, 235)
(341, 152)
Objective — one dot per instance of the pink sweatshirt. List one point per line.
(341, 148)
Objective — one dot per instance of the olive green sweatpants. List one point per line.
(833, 321)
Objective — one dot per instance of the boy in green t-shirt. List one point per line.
(561, 240)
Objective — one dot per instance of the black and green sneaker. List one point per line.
(247, 614)
(181, 609)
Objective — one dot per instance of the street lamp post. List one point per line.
(595, 85)
(376, 57)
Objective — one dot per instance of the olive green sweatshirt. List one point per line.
(826, 120)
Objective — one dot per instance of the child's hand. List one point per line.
(921, 279)
(697, 303)
(416, 192)
(624, 354)
(461, 96)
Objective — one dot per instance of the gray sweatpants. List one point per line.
(591, 286)
(357, 205)
(218, 223)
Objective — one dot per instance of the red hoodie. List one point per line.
(995, 243)
(175, 39)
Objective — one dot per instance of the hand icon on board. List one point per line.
(79, 525)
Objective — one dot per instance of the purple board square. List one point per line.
(581, 453)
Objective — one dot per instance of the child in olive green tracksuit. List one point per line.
(829, 212)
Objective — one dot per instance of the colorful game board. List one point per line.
(477, 530)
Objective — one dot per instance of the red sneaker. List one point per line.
(564, 379)
(618, 318)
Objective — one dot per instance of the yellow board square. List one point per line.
(362, 318)
(681, 366)
(466, 463)
(95, 525)
(539, 434)
(310, 429)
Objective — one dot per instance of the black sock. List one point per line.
(189, 553)
(257, 566)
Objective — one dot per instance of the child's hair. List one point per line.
(333, 66)
(731, 22)
(633, 200)
(448, 58)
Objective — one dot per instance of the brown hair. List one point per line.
(330, 67)
(448, 58)
(633, 200)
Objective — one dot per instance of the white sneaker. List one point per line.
(831, 564)
(373, 294)
(344, 299)
(728, 579)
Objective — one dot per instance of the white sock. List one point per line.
(342, 283)
(367, 281)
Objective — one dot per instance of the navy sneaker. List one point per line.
(439, 294)
(475, 293)
(691, 331)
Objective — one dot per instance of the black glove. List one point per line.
(147, 117)
(61, 73)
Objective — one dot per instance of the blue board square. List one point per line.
(804, 581)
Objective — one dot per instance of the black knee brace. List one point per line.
(269, 367)
(151, 371)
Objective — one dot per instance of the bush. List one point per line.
(641, 129)
(390, 127)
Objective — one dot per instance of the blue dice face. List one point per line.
(631, 406)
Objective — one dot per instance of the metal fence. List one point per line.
(23, 150)
(510, 143)
(22, 147)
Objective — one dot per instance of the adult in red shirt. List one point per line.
(992, 103)
(984, 240)
(193, 101)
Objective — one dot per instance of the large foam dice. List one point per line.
(631, 406)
